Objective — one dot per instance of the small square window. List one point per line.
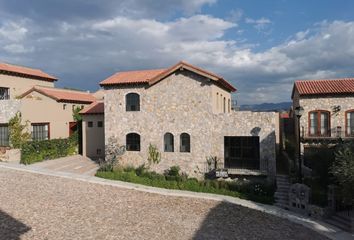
(90, 124)
(99, 124)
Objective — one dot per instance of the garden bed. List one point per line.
(258, 192)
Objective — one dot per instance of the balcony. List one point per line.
(332, 135)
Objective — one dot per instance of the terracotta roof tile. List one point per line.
(93, 108)
(63, 95)
(131, 77)
(31, 72)
(325, 86)
(153, 76)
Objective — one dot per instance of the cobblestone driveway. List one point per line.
(34, 206)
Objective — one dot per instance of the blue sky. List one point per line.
(259, 46)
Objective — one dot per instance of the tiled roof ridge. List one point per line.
(323, 80)
(63, 89)
(34, 72)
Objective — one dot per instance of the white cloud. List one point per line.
(13, 31)
(259, 24)
(17, 48)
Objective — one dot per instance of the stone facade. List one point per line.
(8, 109)
(184, 103)
(327, 103)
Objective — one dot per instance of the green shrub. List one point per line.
(36, 151)
(173, 171)
(248, 190)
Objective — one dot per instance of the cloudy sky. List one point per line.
(259, 46)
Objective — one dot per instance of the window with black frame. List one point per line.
(185, 141)
(132, 102)
(4, 135)
(40, 131)
(4, 93)
(242, 152)
(133, 142)
(350, 123)
(168, 142)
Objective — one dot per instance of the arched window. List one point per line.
(185, 141)
(319, 123)
(168, 142)
(349, 123)
(229, 106)
(224, 105)
(133, 142)
(217, 101)
(132, 102)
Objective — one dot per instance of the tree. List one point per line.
(76, 114)
(113, 151)
(18, 131)
(343, 171)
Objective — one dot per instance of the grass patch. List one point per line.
(246, 190)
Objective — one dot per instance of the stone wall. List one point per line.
(182, 103)
(326, 103)
(8, 109)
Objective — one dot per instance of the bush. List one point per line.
(37, 151)
(172, 179)
(173, 171)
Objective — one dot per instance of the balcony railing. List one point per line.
(332, 133)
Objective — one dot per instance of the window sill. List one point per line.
(249, 172)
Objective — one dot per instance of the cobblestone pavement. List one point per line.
(34, 206)
(73, 164)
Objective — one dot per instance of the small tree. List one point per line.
(343, 171)
(76, 114)
(112, 153)
(18, 131)
(154, 155)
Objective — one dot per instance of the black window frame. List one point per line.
(90, 124)
(132, 142)
(132, 102)
(242, 152)
(185, 143)
(4, 93)
(4, 135)
(168, 142)
(100, 124)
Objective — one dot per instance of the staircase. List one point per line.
(281, 196)
(341, 220)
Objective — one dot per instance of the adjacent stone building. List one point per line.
(185, 111)
(328, 114)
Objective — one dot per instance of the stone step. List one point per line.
(281, 194)
(282, 205)
(337, 224)
(282, 188)
(343, 220)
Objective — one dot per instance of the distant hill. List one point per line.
(267, 107)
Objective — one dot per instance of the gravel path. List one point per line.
(34, 206)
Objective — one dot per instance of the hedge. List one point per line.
(262, 193)
(37, 151)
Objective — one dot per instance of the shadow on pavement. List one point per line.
(11, 228)
(230, 221)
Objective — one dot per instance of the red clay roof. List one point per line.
(325, 86)
(63, 95)
(132, 77)
(153, 76)
(93, 108)
(30, 72)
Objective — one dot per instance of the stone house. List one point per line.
(46, 109)
(185, 111)
(328, 113)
